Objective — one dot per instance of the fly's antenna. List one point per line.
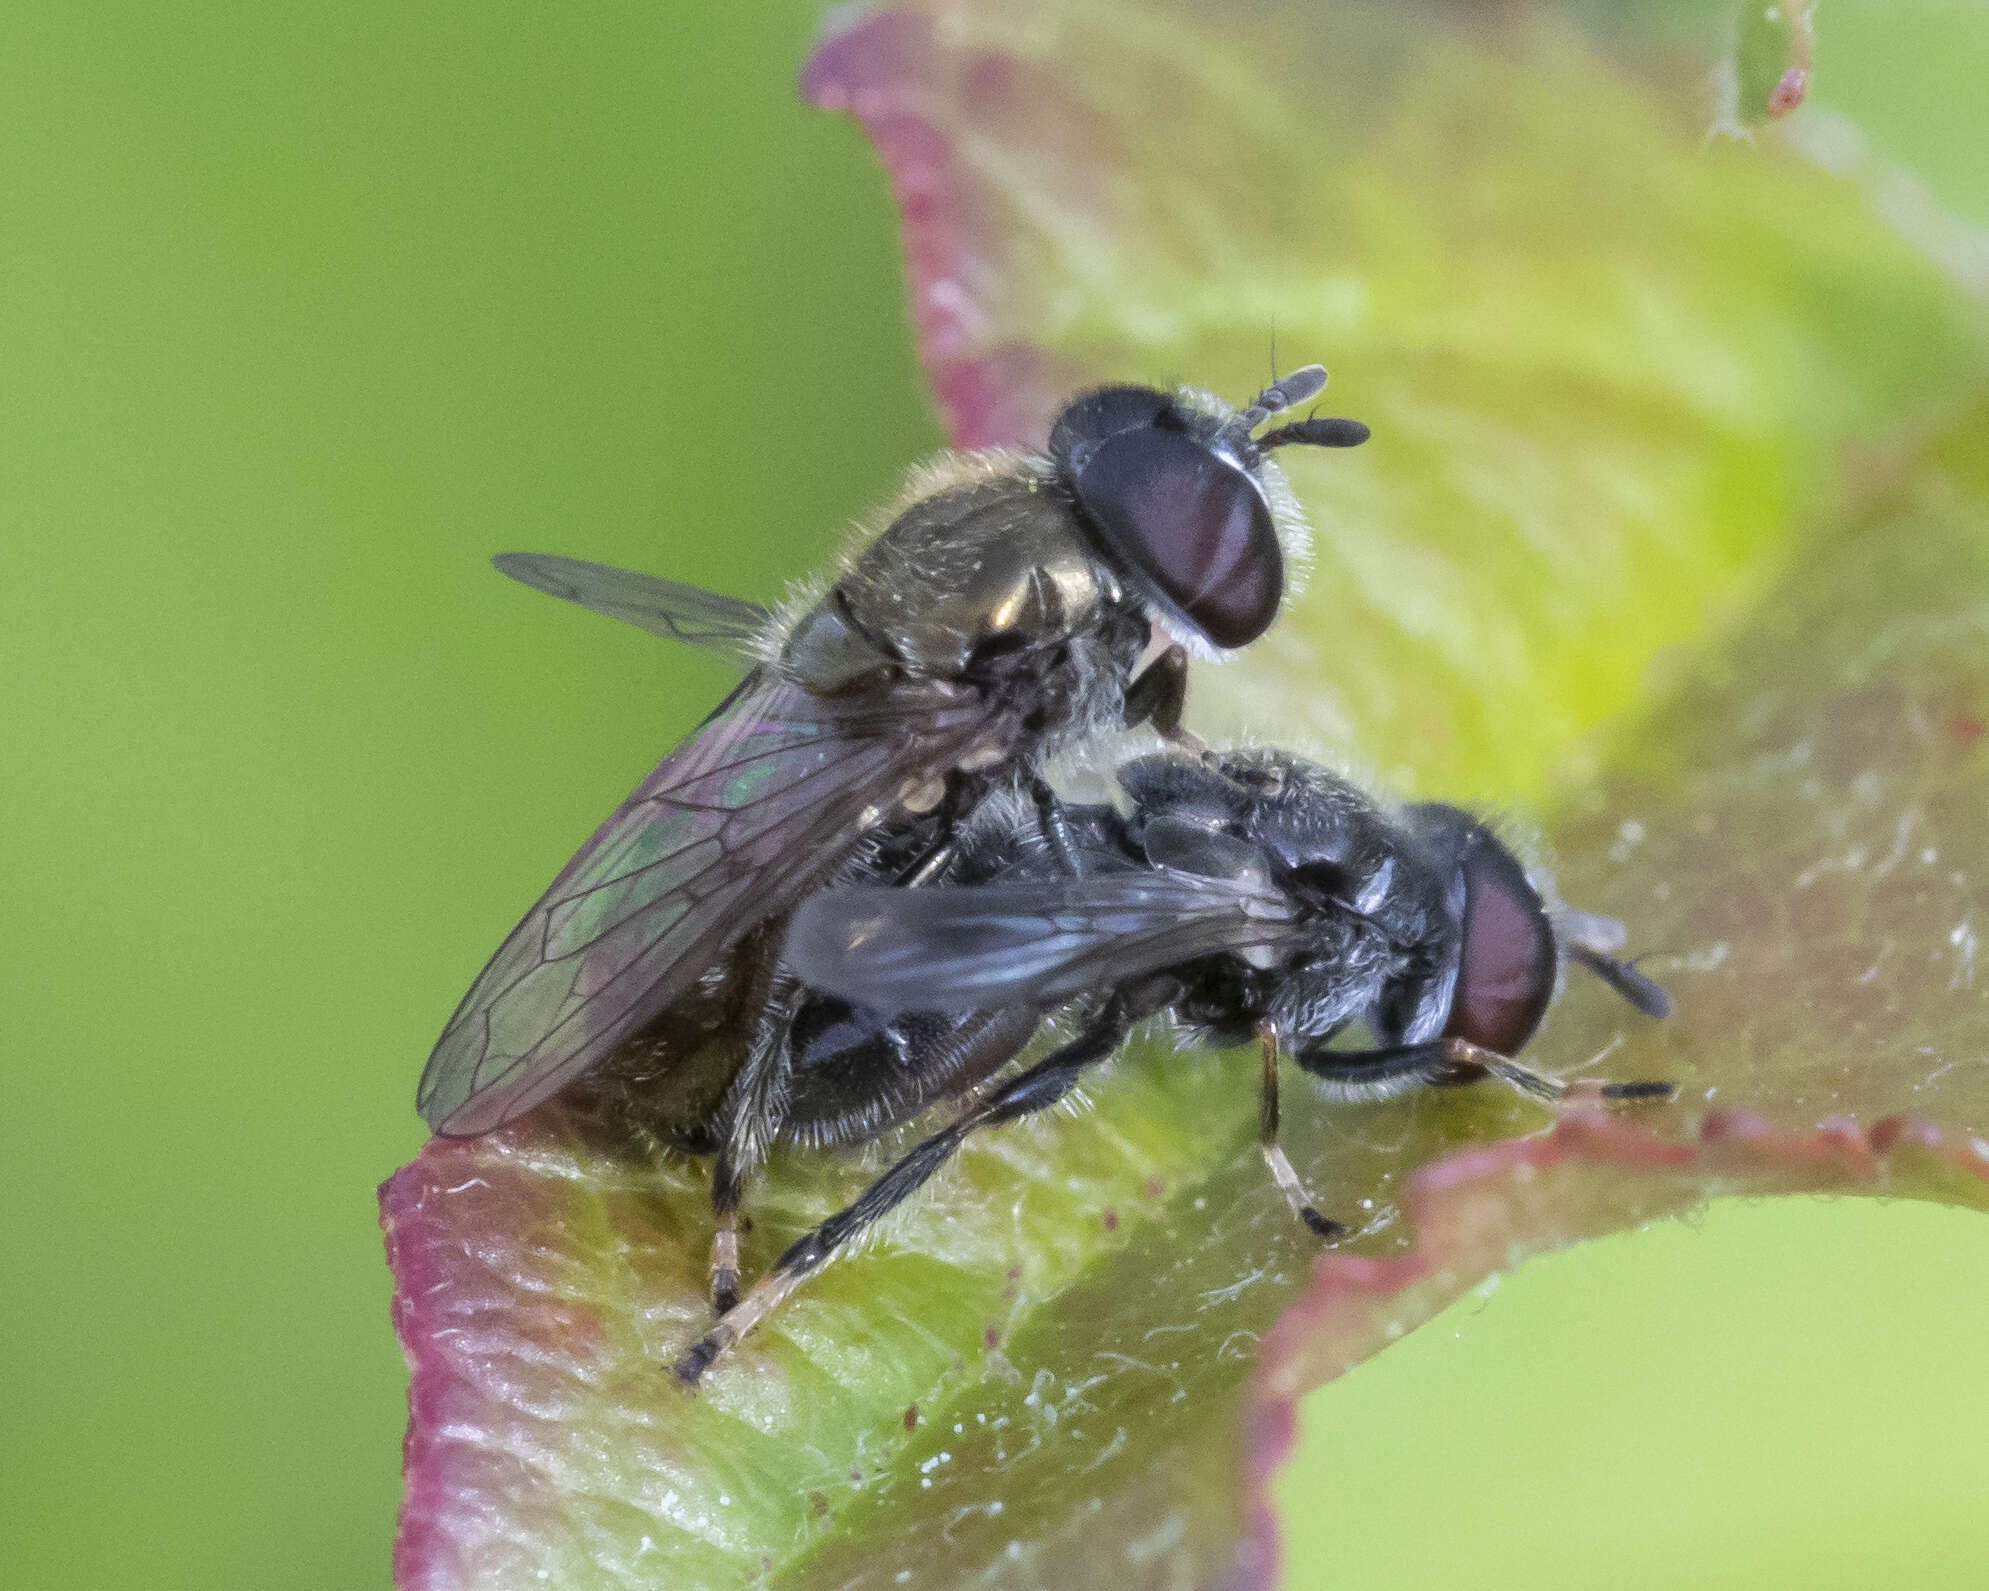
(1315, 433)
(1623, 977)
(1301, 386)
(1591, 941)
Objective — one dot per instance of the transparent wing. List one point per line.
(662, 607)
(733, 827)
(983, 946)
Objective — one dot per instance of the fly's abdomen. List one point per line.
(856, 1074)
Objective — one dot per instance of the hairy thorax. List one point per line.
(984, 583)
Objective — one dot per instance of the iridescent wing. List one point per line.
(732, 828)
(662, 607)
(980, 947)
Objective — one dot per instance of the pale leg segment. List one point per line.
(1267, 1139)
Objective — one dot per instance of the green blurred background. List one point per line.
(303, 314)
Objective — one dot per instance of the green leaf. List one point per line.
(1672, 531)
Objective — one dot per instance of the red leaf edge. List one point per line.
(877, 68)
(1472, 1222)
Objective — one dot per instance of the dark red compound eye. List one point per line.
(1505, 975)
(1192, 525)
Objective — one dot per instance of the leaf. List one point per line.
(1674, 521)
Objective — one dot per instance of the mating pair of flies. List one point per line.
(851, 895)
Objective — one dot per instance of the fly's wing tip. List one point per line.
(438, 1109)
(545, 573)
(894, 950)
(449, 1097)
(468, 1115)
(466, 1099)
(526, 567)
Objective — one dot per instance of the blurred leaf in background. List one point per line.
(306, 313)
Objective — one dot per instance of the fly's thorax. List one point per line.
(1338, 974)
(1331, 848)
(1416, 933)
(980, 566)
(1332, 842)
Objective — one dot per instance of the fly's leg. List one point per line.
(1469, 1062)
(1366, 1075)
(1274, 1157)
(1053, 823)
(1160, 693)
(1448, 1063)
(938, 856)
(1030, 1091)
(1159, 696)
(929, 866)
(754, 1107)
(727, 1185)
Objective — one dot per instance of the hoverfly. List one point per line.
(1257, 898)
(1004, 610)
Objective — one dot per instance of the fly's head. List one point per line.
(1177, 494)
(1505, 956)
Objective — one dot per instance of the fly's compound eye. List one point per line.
(1191, 526)
(1170, 510)
(1505, 975)
(1097, 417)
